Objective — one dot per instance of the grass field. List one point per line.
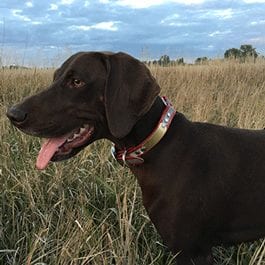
(88, 210)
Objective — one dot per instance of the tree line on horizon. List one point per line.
(246, 53)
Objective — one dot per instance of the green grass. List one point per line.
(88, 210)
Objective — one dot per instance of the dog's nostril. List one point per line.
(16, 115)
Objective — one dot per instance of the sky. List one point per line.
(45, 32)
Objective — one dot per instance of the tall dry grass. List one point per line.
(88, 210)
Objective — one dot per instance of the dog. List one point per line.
(202, 184)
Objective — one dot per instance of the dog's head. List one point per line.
(93, 95)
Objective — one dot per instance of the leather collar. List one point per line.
(132, 156)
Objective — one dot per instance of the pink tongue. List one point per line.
(48, 149)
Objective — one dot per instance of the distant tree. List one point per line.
(233, 53)
(245, 52)
(164, 60)
(201, 60)
(13, 66)
(180, 61)
(248, 52)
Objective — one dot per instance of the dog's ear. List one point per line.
(129, 94)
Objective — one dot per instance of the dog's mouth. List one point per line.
(60, 148)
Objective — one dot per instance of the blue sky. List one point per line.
(46, 32)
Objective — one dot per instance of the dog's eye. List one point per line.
(78, 83)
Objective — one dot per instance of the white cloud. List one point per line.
(169, 18)
(218, 13)
(218, 33)
(260, 22)
(53, 7)
(36, 23)
(86, 4)
(174, 21)
(110, 26)
(18, 13)
(81, 27)
(253, 1)
(258, 40)
(182, 24)
(29, 4)
(208, 48)
(104, 1)
(224, 13)
(149, 3)
(66, 2)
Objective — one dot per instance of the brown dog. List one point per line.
(202, 184)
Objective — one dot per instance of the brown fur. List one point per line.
(202, 184)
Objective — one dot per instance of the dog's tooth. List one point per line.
(76, 135)
(91, 129)
(82, 130)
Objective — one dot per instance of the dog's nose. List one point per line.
(16, 115)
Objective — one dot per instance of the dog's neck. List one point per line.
(144, 126)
